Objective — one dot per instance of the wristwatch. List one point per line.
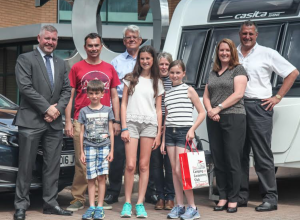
(278, 96)
(221, 106)
(117, 122)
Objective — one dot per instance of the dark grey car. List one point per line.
(9, 154)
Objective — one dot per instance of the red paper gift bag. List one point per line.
(193, 169)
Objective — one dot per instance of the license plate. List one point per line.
(67, 160)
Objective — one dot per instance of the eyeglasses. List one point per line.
(131, 37)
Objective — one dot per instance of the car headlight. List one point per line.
(8, 139)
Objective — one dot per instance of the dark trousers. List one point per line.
(28, 144)
(116, 168)
(258, 137)
(163, 180)
(226, 139)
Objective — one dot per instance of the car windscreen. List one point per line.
(7, 104)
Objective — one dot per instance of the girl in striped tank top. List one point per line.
(179, 127)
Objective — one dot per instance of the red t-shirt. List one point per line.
(82, 72)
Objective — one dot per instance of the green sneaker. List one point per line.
(75, 205)
(140, 211)
(126, 211)
(106, 206)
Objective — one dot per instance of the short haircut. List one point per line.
(234, 58)
(92, 36)
(165, 55)
(132, 28)
(95, 85)
(249, 23)
(177, 63)
(49, 28)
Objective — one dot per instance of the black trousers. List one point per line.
(162, 174)
(28, 144)
(116, 167)
(226, 139)
(258, 137)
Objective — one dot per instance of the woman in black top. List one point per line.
(226, 122)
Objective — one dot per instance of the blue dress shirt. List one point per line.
(123, 64)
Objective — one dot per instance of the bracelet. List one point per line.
(117, 122)
(124, 129)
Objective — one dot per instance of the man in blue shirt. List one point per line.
(123, 64)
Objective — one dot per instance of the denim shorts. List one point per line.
(176, 136)
(137, 130)
(96, 163)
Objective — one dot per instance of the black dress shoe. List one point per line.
(242, 204)
(110, 199)
(232, 209)
(151, 199)
(220, 208)
(57, 211)
(19, 214)
(265, 207)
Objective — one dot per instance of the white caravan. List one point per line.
(198, 25)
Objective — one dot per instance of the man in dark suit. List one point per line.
(45, 92)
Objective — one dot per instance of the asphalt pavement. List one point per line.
(288, 181)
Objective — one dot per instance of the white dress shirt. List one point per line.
(259, 64)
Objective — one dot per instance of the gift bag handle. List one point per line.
(187, 142)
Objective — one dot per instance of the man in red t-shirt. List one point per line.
(81, 73)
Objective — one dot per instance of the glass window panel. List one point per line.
(1, 60)
(268, 36)
(292, 47)
(217, 35)
(11, 88)
(125, 11)
(191, 50)
(11, 58)
(27, 48)
(65, 12)
(103, 11)
(63, 54)
(1, 85)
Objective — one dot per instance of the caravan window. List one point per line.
(190, 51)
(217, 35)
(268, 35)
(292, 47)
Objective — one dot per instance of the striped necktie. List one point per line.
(49, 70)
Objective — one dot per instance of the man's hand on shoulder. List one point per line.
(270, 103)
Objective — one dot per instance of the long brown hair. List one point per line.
(133, 77)
(234, 59)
